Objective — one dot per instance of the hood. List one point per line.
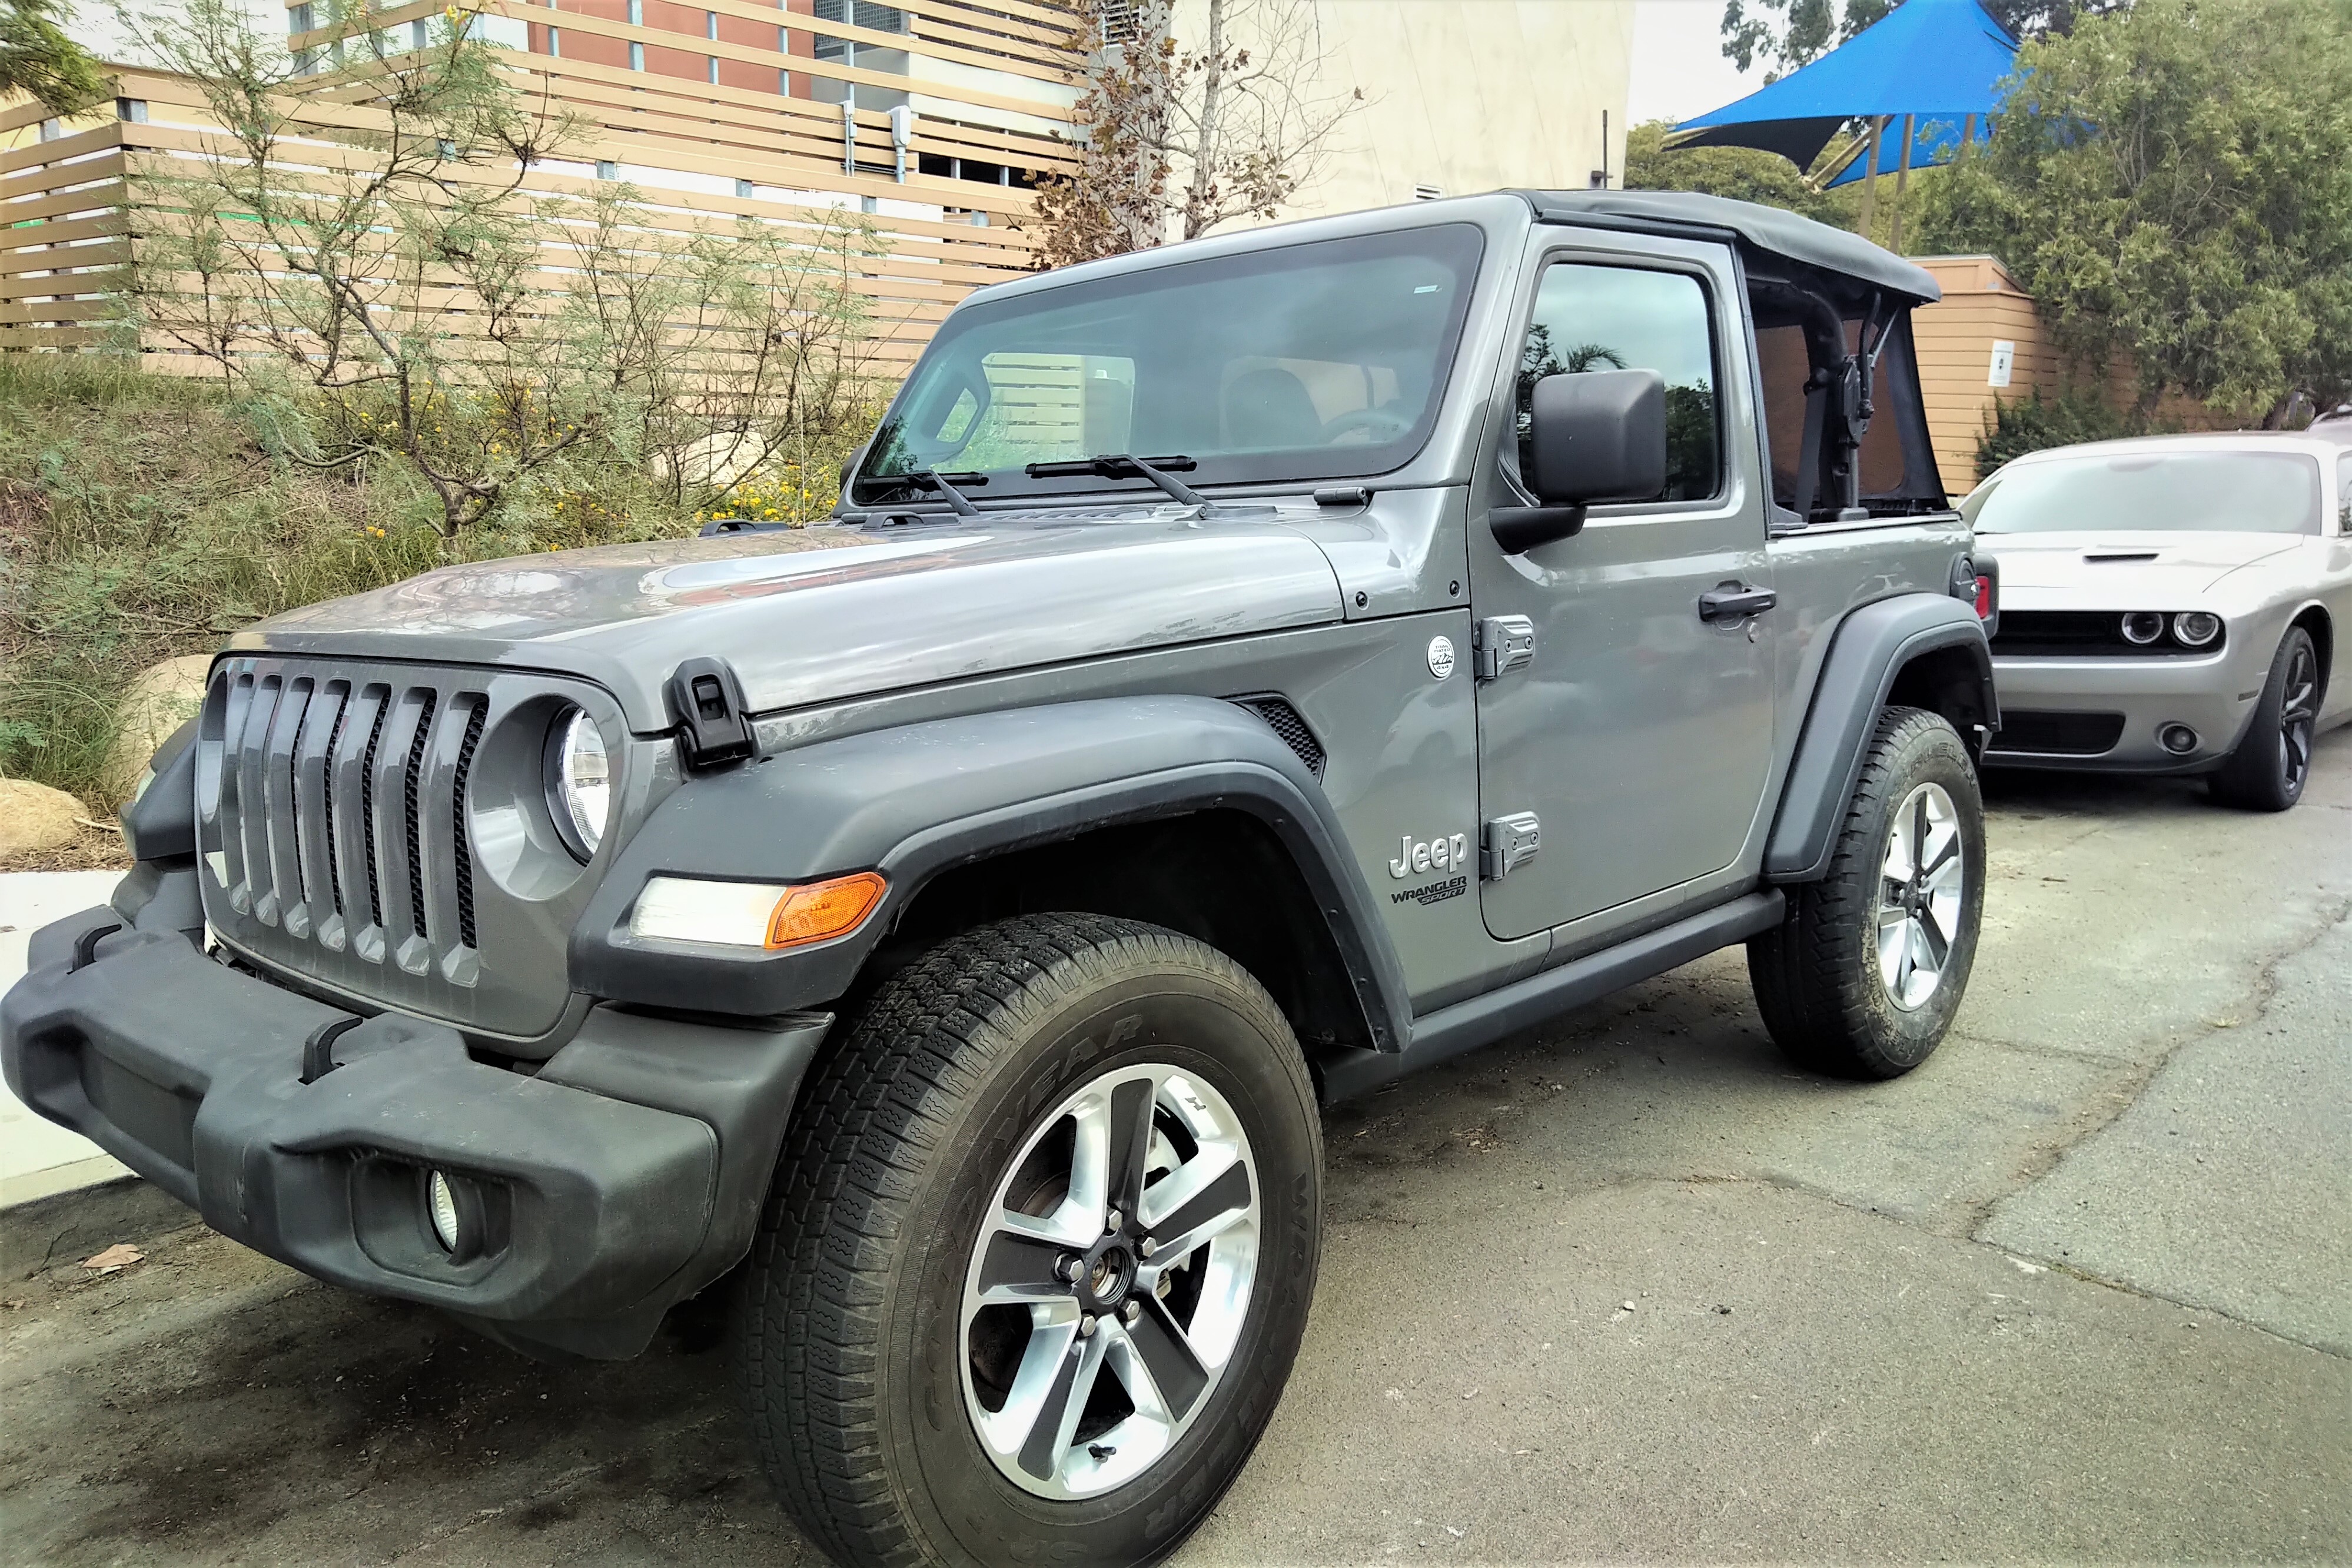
(2120, 570)
(823, 614)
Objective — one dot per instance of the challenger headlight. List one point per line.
(2195, 629)
(579, 782)
(2142, 627)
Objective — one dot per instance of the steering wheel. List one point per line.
(1378, 423)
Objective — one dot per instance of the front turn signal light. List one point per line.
(755, 914)
(819, 911)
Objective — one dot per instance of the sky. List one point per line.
(1679, 64)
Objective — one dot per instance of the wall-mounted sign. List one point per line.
(2004, 355)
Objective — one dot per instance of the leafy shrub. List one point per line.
(2034, 423)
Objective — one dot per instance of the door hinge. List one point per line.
(1508, 841)
(1503, 644)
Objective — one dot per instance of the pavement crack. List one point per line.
(2134, 1077)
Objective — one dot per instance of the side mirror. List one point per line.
(1596, 437)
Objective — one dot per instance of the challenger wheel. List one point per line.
(1040, 1253)
(2267, 770)
(1864, 974)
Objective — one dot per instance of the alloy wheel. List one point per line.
(1922, 885)
(1110, 1281)
(2298, 717)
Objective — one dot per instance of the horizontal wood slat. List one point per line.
(89, 216)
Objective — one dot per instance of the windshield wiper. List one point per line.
(1121, 467)
(931, 478)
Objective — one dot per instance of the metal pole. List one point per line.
(1870, 176)
(1902, 173)
(849, 135)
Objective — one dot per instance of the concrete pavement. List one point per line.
(1628, 1286)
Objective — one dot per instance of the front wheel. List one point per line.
(1864, 974)
(2267, 770)
(1040, 1252)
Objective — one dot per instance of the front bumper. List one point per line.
(2213, 696)
(623, 1175)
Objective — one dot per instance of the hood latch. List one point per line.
(708, 701)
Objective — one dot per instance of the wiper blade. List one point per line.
(1120, 466)
(931, 478)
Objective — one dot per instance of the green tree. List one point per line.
(2170, 182)
(38, 58)
(1744, 174)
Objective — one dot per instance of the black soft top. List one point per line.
(1768, 229)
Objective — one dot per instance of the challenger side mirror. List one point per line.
(1599, 435)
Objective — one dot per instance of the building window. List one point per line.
(417, 37)
(714, 70)
(636, 13)
(710, 25)
(607, 170)
(1118, 21)
(636, 57)
(300, 19)
(52, 129)
(134, 109)
(743, 186)
(556, 43)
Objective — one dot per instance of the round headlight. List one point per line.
(2195, 629)
(2142, 627)
(579, 782)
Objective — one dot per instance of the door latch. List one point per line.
(1509, 841)
(1503, 644)
(1735, 602)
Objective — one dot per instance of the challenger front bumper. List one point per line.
(2215, 697)
(622, 1176)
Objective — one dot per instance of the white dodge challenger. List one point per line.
(2174, 604)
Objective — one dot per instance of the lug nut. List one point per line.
(1086, 1325)
(1148, 1246)
(1111, 1222)
(1132, 1311)
(1069, 1268)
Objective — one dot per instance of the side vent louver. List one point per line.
(1284, 722)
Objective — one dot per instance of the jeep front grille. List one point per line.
(342, 808)
(318, 814)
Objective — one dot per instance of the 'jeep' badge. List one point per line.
(1440, 657)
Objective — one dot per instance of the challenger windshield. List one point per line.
(1305, 362)
(2218, 492)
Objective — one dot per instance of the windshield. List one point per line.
(1305, 362)
(2223, 493)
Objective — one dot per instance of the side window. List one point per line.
(2344, 493)
(1590, 317)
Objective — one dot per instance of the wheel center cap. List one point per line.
(1109, 1271)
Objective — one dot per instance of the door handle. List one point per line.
(1735, 603)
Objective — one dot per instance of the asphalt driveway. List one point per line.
(1627, 1287)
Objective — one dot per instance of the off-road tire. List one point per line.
(1816, 973)
(2259, 774)
(846, 1338)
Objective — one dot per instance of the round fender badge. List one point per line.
(1440, 657)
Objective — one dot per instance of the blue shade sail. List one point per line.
(1936, 60)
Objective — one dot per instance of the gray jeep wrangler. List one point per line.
(1237, 674)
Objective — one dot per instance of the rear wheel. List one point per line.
(2267, 770)
(1864, 972)
(1040, 1253)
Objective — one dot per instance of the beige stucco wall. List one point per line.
(1464, 95)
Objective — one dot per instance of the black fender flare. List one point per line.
(916, 800)
(1867, 652)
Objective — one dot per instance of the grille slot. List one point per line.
(412, 827)
(367, 810)
(465, 856)
(1289, 727)
(2056, 734)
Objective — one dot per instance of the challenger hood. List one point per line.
(823, 614)
(2110, 569)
